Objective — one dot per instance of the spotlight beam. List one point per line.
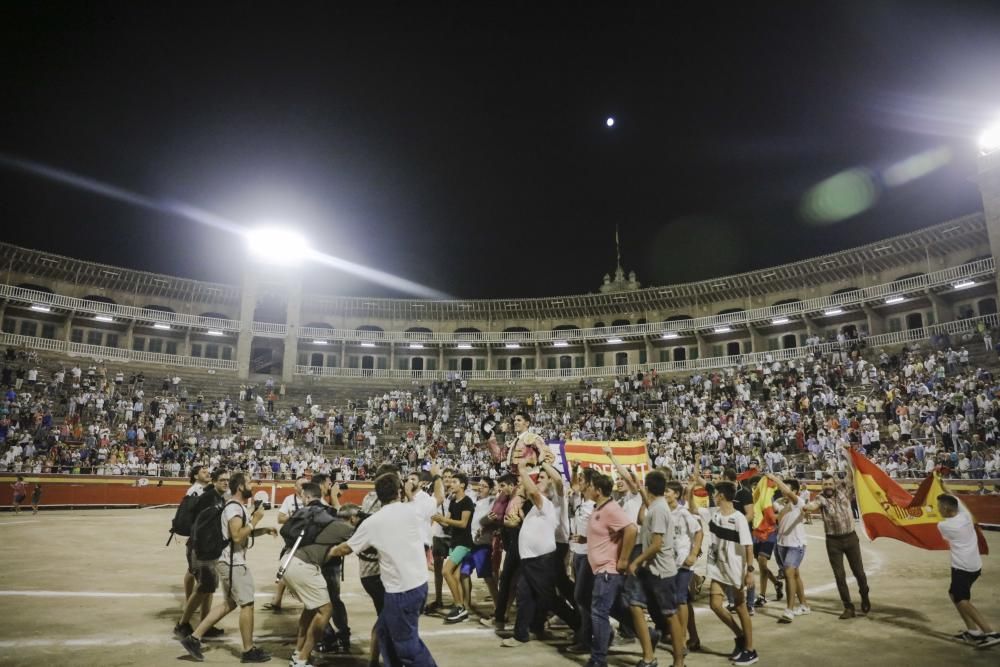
(195, 214)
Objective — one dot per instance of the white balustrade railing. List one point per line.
(113, 353)
(115, 310)
(799, 308)
(903, 287)
(707, 363)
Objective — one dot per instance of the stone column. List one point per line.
(989, 190)
(489, 357)
(392, 355)
(758, 342)
(440, 357)
(876, 323)
(944, 311)
(68, 328)
(538, 356)
(702, 345)
(293, 315)
(248, 304)
(587, 359)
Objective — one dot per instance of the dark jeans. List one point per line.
(607, 590)
(582, 593)
(398, 636)
(339, 613)
(838, 546)
(511, 565)
(535, 591)
(564, 587)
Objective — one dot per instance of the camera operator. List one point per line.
(315, 581)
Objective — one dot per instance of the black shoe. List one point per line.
(325, 647)
(577, 648)
(746, 658)
(779, 590)
(255, 655)
(344, 641)
(433, 608)
(192, 645)
(738, 649)
(182, 630)
(456, 615)
(214, 632)
(760, 601)
(866, 605)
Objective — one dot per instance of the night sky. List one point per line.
(464, 146)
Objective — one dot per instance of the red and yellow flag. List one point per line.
(888, 510)
(764, 521)
(632, 454)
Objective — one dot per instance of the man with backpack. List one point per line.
(222, 532)
(184, 519)
(316, 531)
(289, 506)
(203, 570)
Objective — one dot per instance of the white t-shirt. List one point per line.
(632, 503)
(562, 527)
(425, 507)
(578, 525)
(538, 530)
(791, 525)
(960, 533)
(728, 535)
(290, 504)
(234, 509)
(195, 490)
(686, 526)
(394, 532)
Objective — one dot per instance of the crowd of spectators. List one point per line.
(924, 408)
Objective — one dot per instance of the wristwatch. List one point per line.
(749, 568)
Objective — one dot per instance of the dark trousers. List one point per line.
(339, 613)
(564, 586)
(398, 637)
(838, 546)
(511, 565)
(582, 594)
(535, 590)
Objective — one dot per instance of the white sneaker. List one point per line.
(787, 616)
(801, 610)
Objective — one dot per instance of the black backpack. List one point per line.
(311, 519)
(184, 517)
(206, 534)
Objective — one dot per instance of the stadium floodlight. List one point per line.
(780, 320)
(560, 343)
(614, 341)
(965, 284)
(670, 335)
(416, 346)
(277, 245)
(40, 308)
(367, 344)
(104, 318)
(894, 299)
(512, 346)
(161, 325)
(464, 346)
(319, 342)
(989, 140)
(214, 332)
(834, 311)
(723, 329)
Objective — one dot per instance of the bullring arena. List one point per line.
(583, 452)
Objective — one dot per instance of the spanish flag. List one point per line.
(590, 454)
(699, 496)
(764, 522)
(888, 510)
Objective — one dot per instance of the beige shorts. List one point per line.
(242, 590)
(306, 582)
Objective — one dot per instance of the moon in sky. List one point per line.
(610, 122)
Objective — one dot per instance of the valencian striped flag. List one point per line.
(590, 454)
(888, 510)
(764, 520)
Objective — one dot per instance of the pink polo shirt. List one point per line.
(604, 537)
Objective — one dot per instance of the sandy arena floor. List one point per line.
(98, 587)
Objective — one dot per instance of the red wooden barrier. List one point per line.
(94, 491)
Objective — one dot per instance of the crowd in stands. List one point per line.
(911, 412)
